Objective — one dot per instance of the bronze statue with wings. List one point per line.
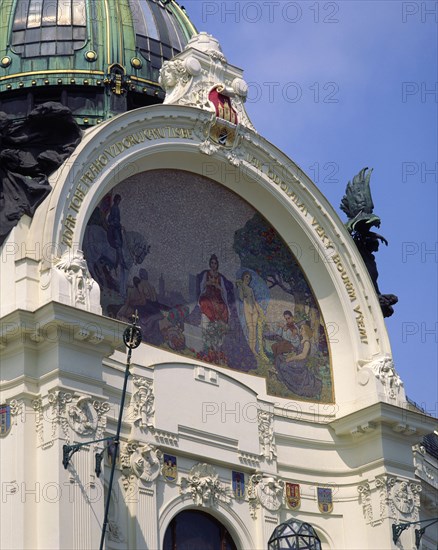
(357, 203)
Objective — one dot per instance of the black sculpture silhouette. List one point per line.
(30, 151)
(357, 203)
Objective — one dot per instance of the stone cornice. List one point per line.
(70, 325)
(403, 422)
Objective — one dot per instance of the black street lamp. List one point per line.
(398, 528)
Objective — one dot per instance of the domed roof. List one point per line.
(97, 58)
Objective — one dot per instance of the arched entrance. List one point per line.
(195, 530)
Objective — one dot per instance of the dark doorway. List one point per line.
(194, 530)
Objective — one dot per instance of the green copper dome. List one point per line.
(97, 57)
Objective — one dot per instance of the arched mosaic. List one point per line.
(210, 278)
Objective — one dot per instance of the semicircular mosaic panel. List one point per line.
(211, 279)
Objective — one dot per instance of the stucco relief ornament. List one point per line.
(37, 405)
(101, 408)
(142, 403)
(75, 269)
(252, 494)
(405, 500)
(58, 400)
(176, 78)
(203, 485)
(190, 78)
(146, 462)
(217, 55)
(270, 493)
(364, 491)
(384, 485)
(266, 435)
(265, 490)
(385, 372)
(17, 406)
(82, 417)
(208, 148)
(139, 462)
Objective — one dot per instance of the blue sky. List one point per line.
(343, 85)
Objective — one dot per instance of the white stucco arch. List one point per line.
(261, 175)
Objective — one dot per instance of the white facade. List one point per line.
(63, 363)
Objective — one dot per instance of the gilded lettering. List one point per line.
(84, 182)
(361, 325)
(133, 139)
(87, 176)
(98, 165)
(70, 222)
(303, 208)
(79, 194)
(94, 169)
(75, 203)
(103, 159)
(67, 240)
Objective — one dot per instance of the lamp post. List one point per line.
(132, 339)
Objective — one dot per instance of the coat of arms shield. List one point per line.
(325, 500)
(293, 496)
(5, 419)
(239, 484)
(169, 469)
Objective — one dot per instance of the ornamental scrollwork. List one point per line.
(268, 448)
(142, 403)
(384, 485)
(37, 405)
(365, 500)
(16, 406)
(252, 494)
(58, 401)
